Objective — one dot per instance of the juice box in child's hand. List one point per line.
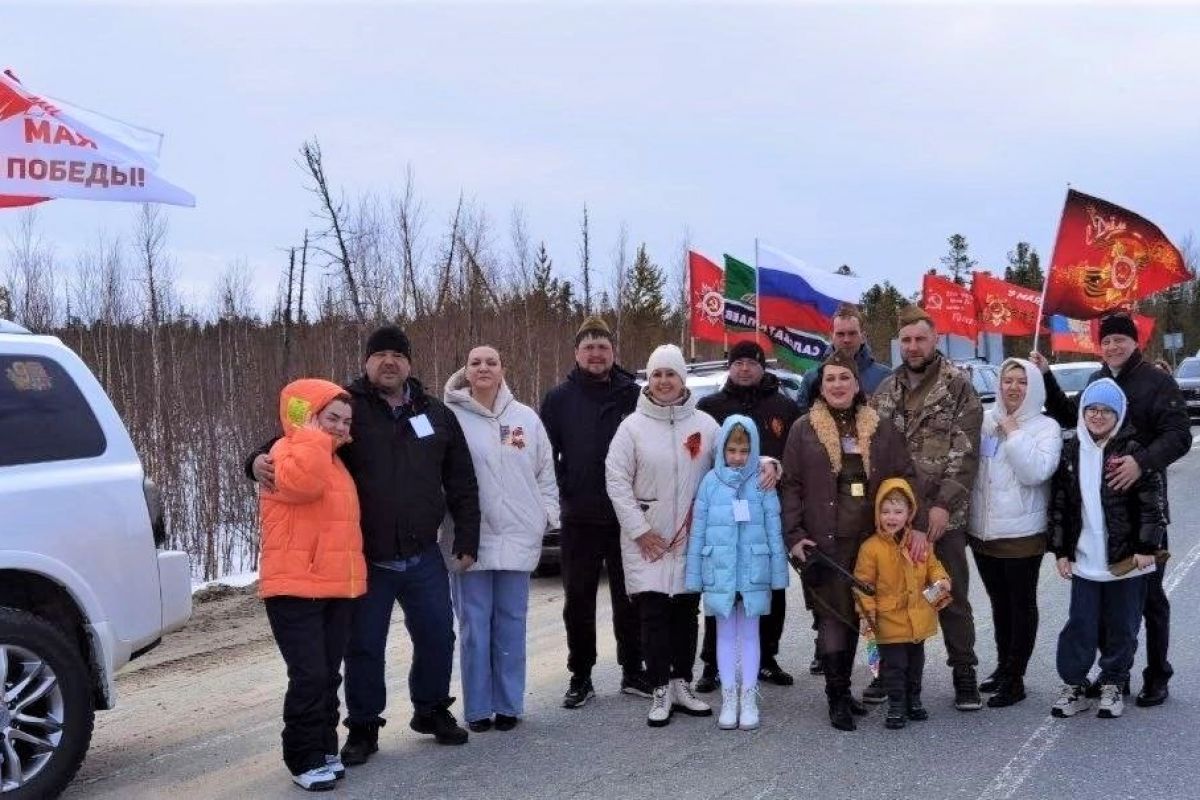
(937, 596)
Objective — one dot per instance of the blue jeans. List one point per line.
(423, 591)
(1112, 606)
(491, 606)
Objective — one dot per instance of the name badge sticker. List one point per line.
(989, 446)
(420, 425)
(741, 510)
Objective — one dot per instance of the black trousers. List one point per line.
(900, 670)
(957, 620)
(770, 631)
(586, 549)
(1157, 613)
(669, 633)
(1011, 585)
(311, 635)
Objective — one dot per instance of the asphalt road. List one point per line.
(200, 718)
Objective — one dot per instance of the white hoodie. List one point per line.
(514, 466)
(1012, 490)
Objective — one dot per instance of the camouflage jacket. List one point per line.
(942, 435)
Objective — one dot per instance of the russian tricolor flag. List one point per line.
(794, 295)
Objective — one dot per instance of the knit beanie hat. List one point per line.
(751, 350)
(1118, 323)
(389, 337)
(593, 325)
(1104, 392)
(667, 356)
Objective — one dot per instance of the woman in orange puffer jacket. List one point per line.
(310, 570)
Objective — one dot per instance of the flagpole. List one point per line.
(758, 326)
(1037, 327)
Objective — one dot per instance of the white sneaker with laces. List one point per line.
(334, 762)
(728, 720)
(660, 707)
(748, 716)
(1071, 700)
(1112, 704)
(685, 701)
(317, 779)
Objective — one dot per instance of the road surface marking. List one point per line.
(1017, 770)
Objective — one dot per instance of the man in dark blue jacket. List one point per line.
(848, 338)
(1159, 417)
(410, 464)
(581, 416)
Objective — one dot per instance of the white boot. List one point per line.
(660, 707)
(748, 718)
(728, 720)
(684, 701)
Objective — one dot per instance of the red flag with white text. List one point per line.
(950, 306)
(1005, 307)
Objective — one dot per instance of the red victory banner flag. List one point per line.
(1004, 307)
(706, 298)
(1105, 258)
(950, 306)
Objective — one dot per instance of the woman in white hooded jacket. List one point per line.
(1020, 448)
(518, 501)
(655, 463)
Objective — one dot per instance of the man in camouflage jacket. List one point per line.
(934, 404)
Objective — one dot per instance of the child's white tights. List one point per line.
(737, 635)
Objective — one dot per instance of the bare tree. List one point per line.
(409, 216)
(443, 292)
(620, 261)
(32, 276)
(585, 259)
(333, 213)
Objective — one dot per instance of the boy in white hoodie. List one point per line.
(1106, 543)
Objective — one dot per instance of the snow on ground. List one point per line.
(237, 581)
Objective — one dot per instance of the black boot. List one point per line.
(966, 690)
(897, 713)
(991, 684)
(709, 680)
(914, 706)
(441, 724)
(1010, 691)
(837, 689)
(362, 741)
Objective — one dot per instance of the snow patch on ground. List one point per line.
(237, 581)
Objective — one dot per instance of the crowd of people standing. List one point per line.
(875, 485)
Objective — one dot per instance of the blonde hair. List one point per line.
(738, 435)
(896, 495)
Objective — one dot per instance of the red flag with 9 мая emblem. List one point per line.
(950, 306)
(1005, 307)
(1105, 258)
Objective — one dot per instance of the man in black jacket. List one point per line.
(1160, 419)
(581, 416)
(410, 463)
(754, 392)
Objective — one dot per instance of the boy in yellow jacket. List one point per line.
(903, 610)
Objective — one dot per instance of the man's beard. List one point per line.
(925, 362)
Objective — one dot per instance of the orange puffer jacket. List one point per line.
(311, 539)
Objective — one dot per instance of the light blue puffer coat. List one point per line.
(725, 557)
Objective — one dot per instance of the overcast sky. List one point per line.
(843, 134)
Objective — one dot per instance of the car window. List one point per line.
(1074, 379)
(1190, 368)
(984, 380)
(43, 415)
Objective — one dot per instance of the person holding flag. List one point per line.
(1159, 418)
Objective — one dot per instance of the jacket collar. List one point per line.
(458, 393)
(766, 387)
(666, 413)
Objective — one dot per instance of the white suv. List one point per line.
(84, 586)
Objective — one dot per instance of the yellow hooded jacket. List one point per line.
(899, 611)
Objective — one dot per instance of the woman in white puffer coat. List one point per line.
(1020, 447)
(518, 502)
(655, 463)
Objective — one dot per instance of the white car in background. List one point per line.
(709, 377)
(1072, 376)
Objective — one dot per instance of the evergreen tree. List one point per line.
(1024, 267)
(881, 306)
(958, 262)
(643, 305)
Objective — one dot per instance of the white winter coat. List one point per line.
(514, 466)
(654, 466)
(1012, 490)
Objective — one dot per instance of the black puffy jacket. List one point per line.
(772, 410)
(581, 416)
(406, 483)
(1135, 520)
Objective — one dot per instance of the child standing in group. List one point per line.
(311, 567)
(903, 610)
(736, 557)
(1106, 542)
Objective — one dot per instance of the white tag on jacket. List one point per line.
(420, 425)
(989, 446)
(741, 510)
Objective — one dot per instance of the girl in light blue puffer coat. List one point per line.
(736, 557)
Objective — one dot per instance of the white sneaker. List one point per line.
(748, 716)
(334, 762)
(660, 707)
(685, 701)
(317, 779)
(1112, 705)
(1071, 700)
(728, 720)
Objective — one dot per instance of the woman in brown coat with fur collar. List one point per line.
(836, 457)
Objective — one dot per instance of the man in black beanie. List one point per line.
(1159, 417)
(410, 464)
(754, 392)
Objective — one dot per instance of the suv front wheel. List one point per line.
(46, 710)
